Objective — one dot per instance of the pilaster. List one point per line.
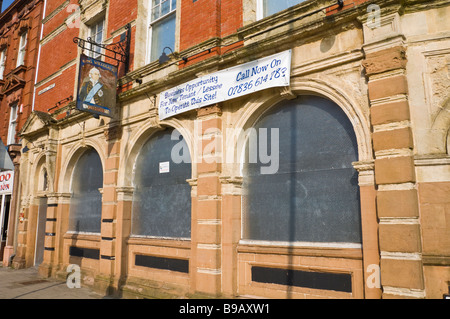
(206, 246)
(399, 227)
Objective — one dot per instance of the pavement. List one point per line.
(28, 284)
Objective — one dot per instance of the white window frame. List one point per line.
(12, 124)
(259, 9)
(22, 49)
(152, 22)
(2, 63)
(93, 31)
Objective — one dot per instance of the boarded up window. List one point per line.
(162, 197)
(86, 201)
(314, 195)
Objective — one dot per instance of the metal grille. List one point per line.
(314, 196)
(86, 201)
(162, 199)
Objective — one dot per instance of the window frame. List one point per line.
(22, 49)
(74, 193)
(151, 22)
(2, 63)
(92, 34)
(244, 236)
(13, 116)
(141, 164)
(260, 9)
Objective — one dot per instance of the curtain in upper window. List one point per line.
(2, 63)
(12, 124)
(22, 49)
(314, 195)
(96, 32)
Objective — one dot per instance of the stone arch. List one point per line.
(36, 170)
(72, 158)
(256, 107)
(440, 129)
(140, 137)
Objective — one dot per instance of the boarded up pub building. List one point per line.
(279, 149)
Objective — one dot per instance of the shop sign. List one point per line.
(6, 182)
(268, 72)
(97, 83)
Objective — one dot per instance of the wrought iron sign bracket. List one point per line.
(118, 51)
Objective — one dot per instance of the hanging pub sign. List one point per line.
(97, 83)
(268, 72)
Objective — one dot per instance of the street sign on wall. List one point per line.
(6, 182)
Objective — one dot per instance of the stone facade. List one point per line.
(390, 79)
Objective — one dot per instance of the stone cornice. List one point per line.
(276, 42)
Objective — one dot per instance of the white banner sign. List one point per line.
(6, 182)
(272, 71)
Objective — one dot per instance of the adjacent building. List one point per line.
(240, 148)
(20, 27)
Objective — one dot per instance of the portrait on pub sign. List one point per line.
(96, 86)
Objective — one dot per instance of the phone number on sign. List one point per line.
(243, 87)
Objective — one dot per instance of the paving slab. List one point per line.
(28, 284)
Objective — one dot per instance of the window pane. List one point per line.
(314, 195)
(274, 6)
(2, 63)
(22, 47)
(165, 7)
(163, 35)
(162, 199)
(86, 201)
(96, 35)
(156, 12)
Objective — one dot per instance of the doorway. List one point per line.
(40, 231)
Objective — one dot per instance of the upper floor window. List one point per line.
(269, 7)
(162, 27)
(2, 63)
(12, 125)
(22, 47)
(96, 33)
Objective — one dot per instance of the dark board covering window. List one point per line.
(162, 196)
(314, 195)
(304, 279)
(86, 201)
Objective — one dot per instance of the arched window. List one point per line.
(86, 201)
(314, 194)
(162, 196)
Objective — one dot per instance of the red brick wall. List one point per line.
(23, 95)
(55, 54)
(121, 12)
(203, 19)
(61, 50)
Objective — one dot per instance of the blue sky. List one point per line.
(6, 4)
